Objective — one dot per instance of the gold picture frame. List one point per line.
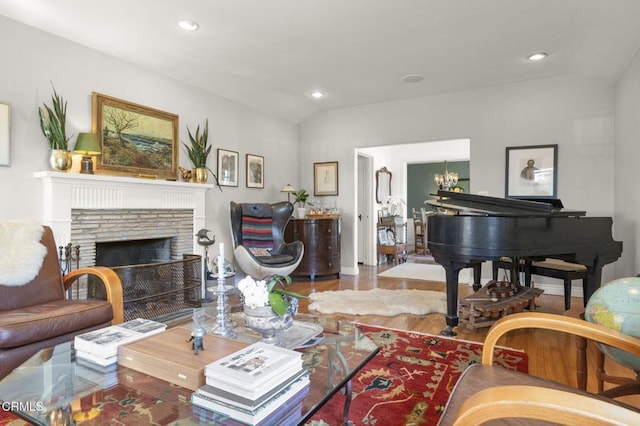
(135, 140)
(325, 178)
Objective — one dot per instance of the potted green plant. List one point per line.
(300, 197)
(199, 150)
(53, 122)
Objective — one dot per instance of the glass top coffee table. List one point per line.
(52, 388)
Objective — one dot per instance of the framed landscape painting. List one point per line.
(531, 171)
(325, 178)
(255, 171)
(227, 167)
(134, 139)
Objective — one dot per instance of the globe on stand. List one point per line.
(616, 305)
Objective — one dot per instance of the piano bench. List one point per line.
(552, 268)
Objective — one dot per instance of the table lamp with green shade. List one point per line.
(87, 145)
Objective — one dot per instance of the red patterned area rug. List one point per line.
(409, 381)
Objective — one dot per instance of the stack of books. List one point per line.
(255, 385)
(95, 374)
(100, 347)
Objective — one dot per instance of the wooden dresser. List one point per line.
(321, 239)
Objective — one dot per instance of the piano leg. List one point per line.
(591, 283)
(452, 270)
(477, 276)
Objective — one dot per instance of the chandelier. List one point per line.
(447, 180)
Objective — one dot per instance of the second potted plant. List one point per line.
(301, 197)
(199, 150)
(53, 122)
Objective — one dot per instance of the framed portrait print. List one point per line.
(531, 171)
(255, 171)
(5, 136)
(134, 139)
(227, 167)
(325, 178)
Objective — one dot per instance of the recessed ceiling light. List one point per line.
(316, 94)
(188, 25)
(412, 78)
(537, 56)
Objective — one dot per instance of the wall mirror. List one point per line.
(383, 185)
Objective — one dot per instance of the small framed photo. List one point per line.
(255, 171)
(227, 167)
(383, 239)
(325, 178)
(531, 171)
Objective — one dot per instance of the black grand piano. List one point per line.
(476, 228)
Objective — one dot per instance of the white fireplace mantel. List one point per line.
(66, 191)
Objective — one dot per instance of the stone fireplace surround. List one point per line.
(83, 209)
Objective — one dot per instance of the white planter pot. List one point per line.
(302, 212)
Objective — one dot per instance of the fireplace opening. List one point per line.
(133, 252)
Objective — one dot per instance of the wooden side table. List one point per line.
(397, 253)
(392, 241)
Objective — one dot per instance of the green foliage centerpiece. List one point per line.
(268, 306)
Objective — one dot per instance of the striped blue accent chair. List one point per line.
(258, 239)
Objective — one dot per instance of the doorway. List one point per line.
(365, 207)
(395, 158)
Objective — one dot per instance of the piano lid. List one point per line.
(482, 205)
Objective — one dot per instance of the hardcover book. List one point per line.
(104, 342)
(95, 359)
(234, 399)
(278, 407)
(254, 365)
(104, 379)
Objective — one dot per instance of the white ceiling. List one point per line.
(270, 54)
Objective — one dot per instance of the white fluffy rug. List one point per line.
(425, 272)
(21, 253)
(379, 302)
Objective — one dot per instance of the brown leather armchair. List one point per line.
(37, 315)
(258, 239)
(488, 393)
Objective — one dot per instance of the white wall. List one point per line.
(573, 112)
(576, 113)
(627, 156)
(32, 60)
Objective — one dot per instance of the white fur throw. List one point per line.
(379, 302)
(21, 254)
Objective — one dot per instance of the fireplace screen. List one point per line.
(157, 290)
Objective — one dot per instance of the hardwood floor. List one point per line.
(551, 355)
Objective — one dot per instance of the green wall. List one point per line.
(420, 181)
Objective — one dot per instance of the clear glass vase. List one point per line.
(266, 322)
